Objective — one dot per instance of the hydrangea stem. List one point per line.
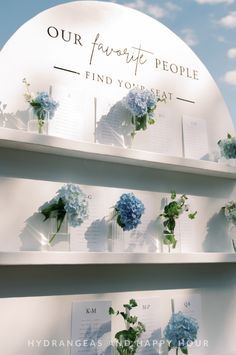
(234, 245)
(177, 351)
(40, 125)
(58, 229)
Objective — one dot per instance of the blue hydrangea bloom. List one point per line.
(228, 147)
(76, 203)
(230, 212)
(181, 330)
(129, 210)
(45, 103)
(140, 102)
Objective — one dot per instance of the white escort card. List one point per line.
(111, 122)
(195, 138)
(164, 136)
(75, 116)
(145, 237)
(91, 328)
(188, 233)
(148, 312)
(91, 236)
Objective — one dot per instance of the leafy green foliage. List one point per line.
(119, 221)
(141, 122)
(58, 208)
(38, 110)
(192, 215)
(127, 339)
(111, 311)
(171, 212)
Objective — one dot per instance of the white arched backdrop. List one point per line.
(90, 54)
(104, 49)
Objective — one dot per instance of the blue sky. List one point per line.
(208, 26)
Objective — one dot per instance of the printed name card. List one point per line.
(195, 138)
(91, 328)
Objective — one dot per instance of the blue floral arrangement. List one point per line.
(128, 211)
(70, 200)
(43, 105)
(230, 211)
(180, 332)
(228, 147)
(141, 104)
(230, 214)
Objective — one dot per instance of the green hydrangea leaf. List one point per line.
(133, 303)
(192, 215)
(111, 310)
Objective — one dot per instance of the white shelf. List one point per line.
(22, 140)
(77, 258)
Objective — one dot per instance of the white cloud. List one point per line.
(172, 6)
(189, 37)
(152, 10)
(228, 21)
(168, 9)
(230, 77)
(231, 53)
(213, 2)
(221, 39)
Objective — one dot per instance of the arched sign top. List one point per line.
(105, 49)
